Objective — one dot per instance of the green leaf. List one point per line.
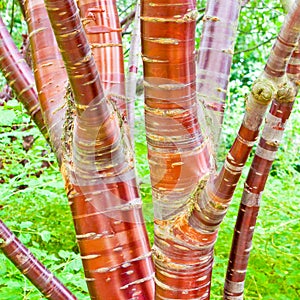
(7, 117)
(74, 265)
(64, 254)
(25, 238)
(45, 235)
(25, 224)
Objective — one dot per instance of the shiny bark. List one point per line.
(20, 77)
(179, 157)
(99, 174)
(217, 195)
(257, 177)
(102, 26)
(41, 277)
(98, 170)
(49, 71)
(214, 199)
(214, 63)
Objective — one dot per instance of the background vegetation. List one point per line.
(34, 205)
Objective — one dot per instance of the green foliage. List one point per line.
(12, 17)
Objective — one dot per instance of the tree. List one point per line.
(80, 105)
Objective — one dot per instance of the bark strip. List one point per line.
(49, 71)
(102, 26)
(214, 63)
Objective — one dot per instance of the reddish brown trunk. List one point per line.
(101, 23)
(99, 175)
(214, 63)
(49, 71)
(178, 155)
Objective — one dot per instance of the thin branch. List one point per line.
(12, 19)
(270, 140)
(256, 46)
(129, 18)
(131, 81)
(34, 270)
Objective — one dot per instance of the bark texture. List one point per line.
(214, 63)
(102, 26)
(99, 174)
(179, 157)
(41, 277)
(49, 71)
(269, 142)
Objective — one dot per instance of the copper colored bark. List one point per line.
(99, 175)
(41, 277)
(101, 23)
(49, 71)
(255, 183)
(178, 155)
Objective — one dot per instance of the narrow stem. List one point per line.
(20, 77)
(129, 18)
(254, 186)
(41, 277)
(257, 177)
(214, 63)
(49, 71)
(133, 60)
(286, 42)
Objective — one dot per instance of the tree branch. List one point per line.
(256, 46)
(39, 275)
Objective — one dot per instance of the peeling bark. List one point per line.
(214, 63)
(49, 71)
(265, 154)
(99, 174)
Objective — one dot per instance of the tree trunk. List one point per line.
(99, 175)
(81, 102)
